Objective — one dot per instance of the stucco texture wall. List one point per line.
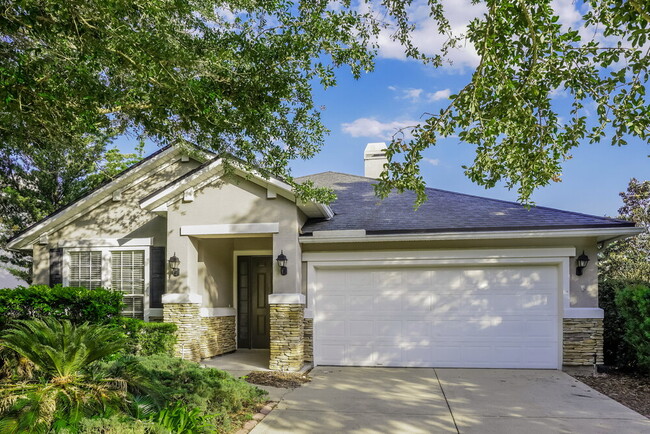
(231, 201)
(125, 218)
(116, 219)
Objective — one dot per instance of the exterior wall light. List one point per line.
(282, 263)
(174, 265)
(581, 262)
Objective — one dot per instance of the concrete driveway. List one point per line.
(418, 400)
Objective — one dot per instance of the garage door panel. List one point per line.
(447, 317)
(361, 328)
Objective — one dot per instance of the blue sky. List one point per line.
(399, 92)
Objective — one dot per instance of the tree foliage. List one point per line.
(629, 259)
(38, 179)
(507, 109)
(232, 76)
(237, 77)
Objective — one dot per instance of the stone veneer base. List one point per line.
(186, 317)
(199, 337)
(582, 343)
(217, 335)
(287, 337)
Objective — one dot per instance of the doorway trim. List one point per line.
(235, 275)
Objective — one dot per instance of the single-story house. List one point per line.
(237, 261)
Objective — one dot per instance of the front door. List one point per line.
(254, 284)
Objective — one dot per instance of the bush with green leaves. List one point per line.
(61, 393)
(147, 338)
(633, 304)
(179, 419)
(78, 305)
(174, 380)
(617, 351)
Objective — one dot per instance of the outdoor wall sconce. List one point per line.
(282, 263)
(174, 264)
(581, 262)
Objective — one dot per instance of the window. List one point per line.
(86, 269)
(127, 275)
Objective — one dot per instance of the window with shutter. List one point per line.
(86, 269)
(127, 275)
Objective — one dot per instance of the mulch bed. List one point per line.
(285, 380)
(631, 390)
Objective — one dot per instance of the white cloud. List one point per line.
(371, 127)
(426, 36)
(438, 95)
(459, 13)
(410, 93)
(432, 161)
(568, 13)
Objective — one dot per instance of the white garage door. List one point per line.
(488, 317)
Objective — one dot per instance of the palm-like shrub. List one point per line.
(62, 393)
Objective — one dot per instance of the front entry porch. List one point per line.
(235, 305)
(241, 362)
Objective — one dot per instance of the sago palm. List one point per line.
(60, 350)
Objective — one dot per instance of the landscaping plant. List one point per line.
(147, 338)
(172, 380)
(78, 305)
(61, 392)
(633, 304)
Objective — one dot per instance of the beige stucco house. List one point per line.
(464, 281)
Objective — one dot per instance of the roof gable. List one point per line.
(105, 192)
(214, 169)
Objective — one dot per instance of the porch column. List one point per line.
(184, 311)
(287, 332)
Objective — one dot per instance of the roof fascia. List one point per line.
(601, 234)
(91, 201)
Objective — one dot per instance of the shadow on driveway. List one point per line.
(424, 400)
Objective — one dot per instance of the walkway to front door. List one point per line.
(254, 284)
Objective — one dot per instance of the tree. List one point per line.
(237, 77)
(35, 181)
(629, 259)
(507, 109)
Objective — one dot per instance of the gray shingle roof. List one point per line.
(357, 207)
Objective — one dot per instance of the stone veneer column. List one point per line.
(218, 334)
(184, 311)
(582, 340)
(287, 332)
(309, 340)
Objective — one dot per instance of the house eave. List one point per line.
(353, 236)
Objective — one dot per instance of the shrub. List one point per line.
(177, 418)
(78, 305)
(633, 304)
(62, 392)
(115, 424)
(210, 390)
(148, 338)
(617, 350)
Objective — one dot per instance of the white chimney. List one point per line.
(374, 158)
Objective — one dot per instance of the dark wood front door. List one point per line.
(254, 284)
